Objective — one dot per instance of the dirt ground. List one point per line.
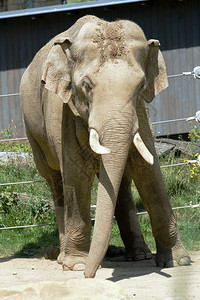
(140, 280)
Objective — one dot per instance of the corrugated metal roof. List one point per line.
(64, 7)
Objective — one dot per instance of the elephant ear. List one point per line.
(156, 73)
(56, 71)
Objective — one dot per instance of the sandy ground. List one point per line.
(140, 280)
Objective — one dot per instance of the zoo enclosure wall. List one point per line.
(7, 5)
(175, 23)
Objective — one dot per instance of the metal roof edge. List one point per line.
(63, 7)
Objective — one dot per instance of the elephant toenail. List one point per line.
(174, 263)
(184, 261)
(65, 268)
(79, 267)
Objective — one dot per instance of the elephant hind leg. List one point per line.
(54, 179)
(126, 216)
(56, 186)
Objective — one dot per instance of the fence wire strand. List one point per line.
(9, 95)
(93, 207)
(16, 139)
(38, 181)
(22, 182)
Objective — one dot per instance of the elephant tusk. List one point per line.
(95, 144)
(142, 149)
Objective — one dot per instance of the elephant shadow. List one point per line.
(130, 269)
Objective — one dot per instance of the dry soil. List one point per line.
(140, 280)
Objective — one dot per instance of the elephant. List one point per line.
(84, 101)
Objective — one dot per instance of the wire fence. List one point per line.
(196, 74)
(16, 139)
(93, 208)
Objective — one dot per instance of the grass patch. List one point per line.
(26, 205)
(15, 147)
(29, 204)
(27, 242)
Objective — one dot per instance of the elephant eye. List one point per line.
(143, 84)
(87, 86)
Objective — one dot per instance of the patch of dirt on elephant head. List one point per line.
(110, 40)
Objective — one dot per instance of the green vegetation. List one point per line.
(15, 147)
(184, 190)
(194, 134)
(31, 204)
(23, 205)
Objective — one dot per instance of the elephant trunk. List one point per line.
(117, 138)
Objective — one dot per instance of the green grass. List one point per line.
(15, 147)
(31, 206)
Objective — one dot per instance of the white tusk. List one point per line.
(142, 149)
(95, 144)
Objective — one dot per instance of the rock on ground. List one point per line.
(74, 289)
(166, 146)
(21, 157)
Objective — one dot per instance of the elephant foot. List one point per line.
(52, 253)
(177, 256)
(61, 258)
(74, 263)
(139, 252)
(114, 251)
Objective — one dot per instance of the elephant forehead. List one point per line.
(102, 33)
(110, 40)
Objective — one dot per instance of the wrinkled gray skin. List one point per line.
(99, 75)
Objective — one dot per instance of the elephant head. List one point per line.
(101, 70)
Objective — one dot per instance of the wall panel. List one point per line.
(175, 23)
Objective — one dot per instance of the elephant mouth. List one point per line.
(137, 141)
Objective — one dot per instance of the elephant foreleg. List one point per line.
(54, 179)
(148, 180)
(149, 183)
(77, 220)
(78, 176)
(77, 225)
(126, 216)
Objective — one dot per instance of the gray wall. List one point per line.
(176, 24)
(7, 5)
